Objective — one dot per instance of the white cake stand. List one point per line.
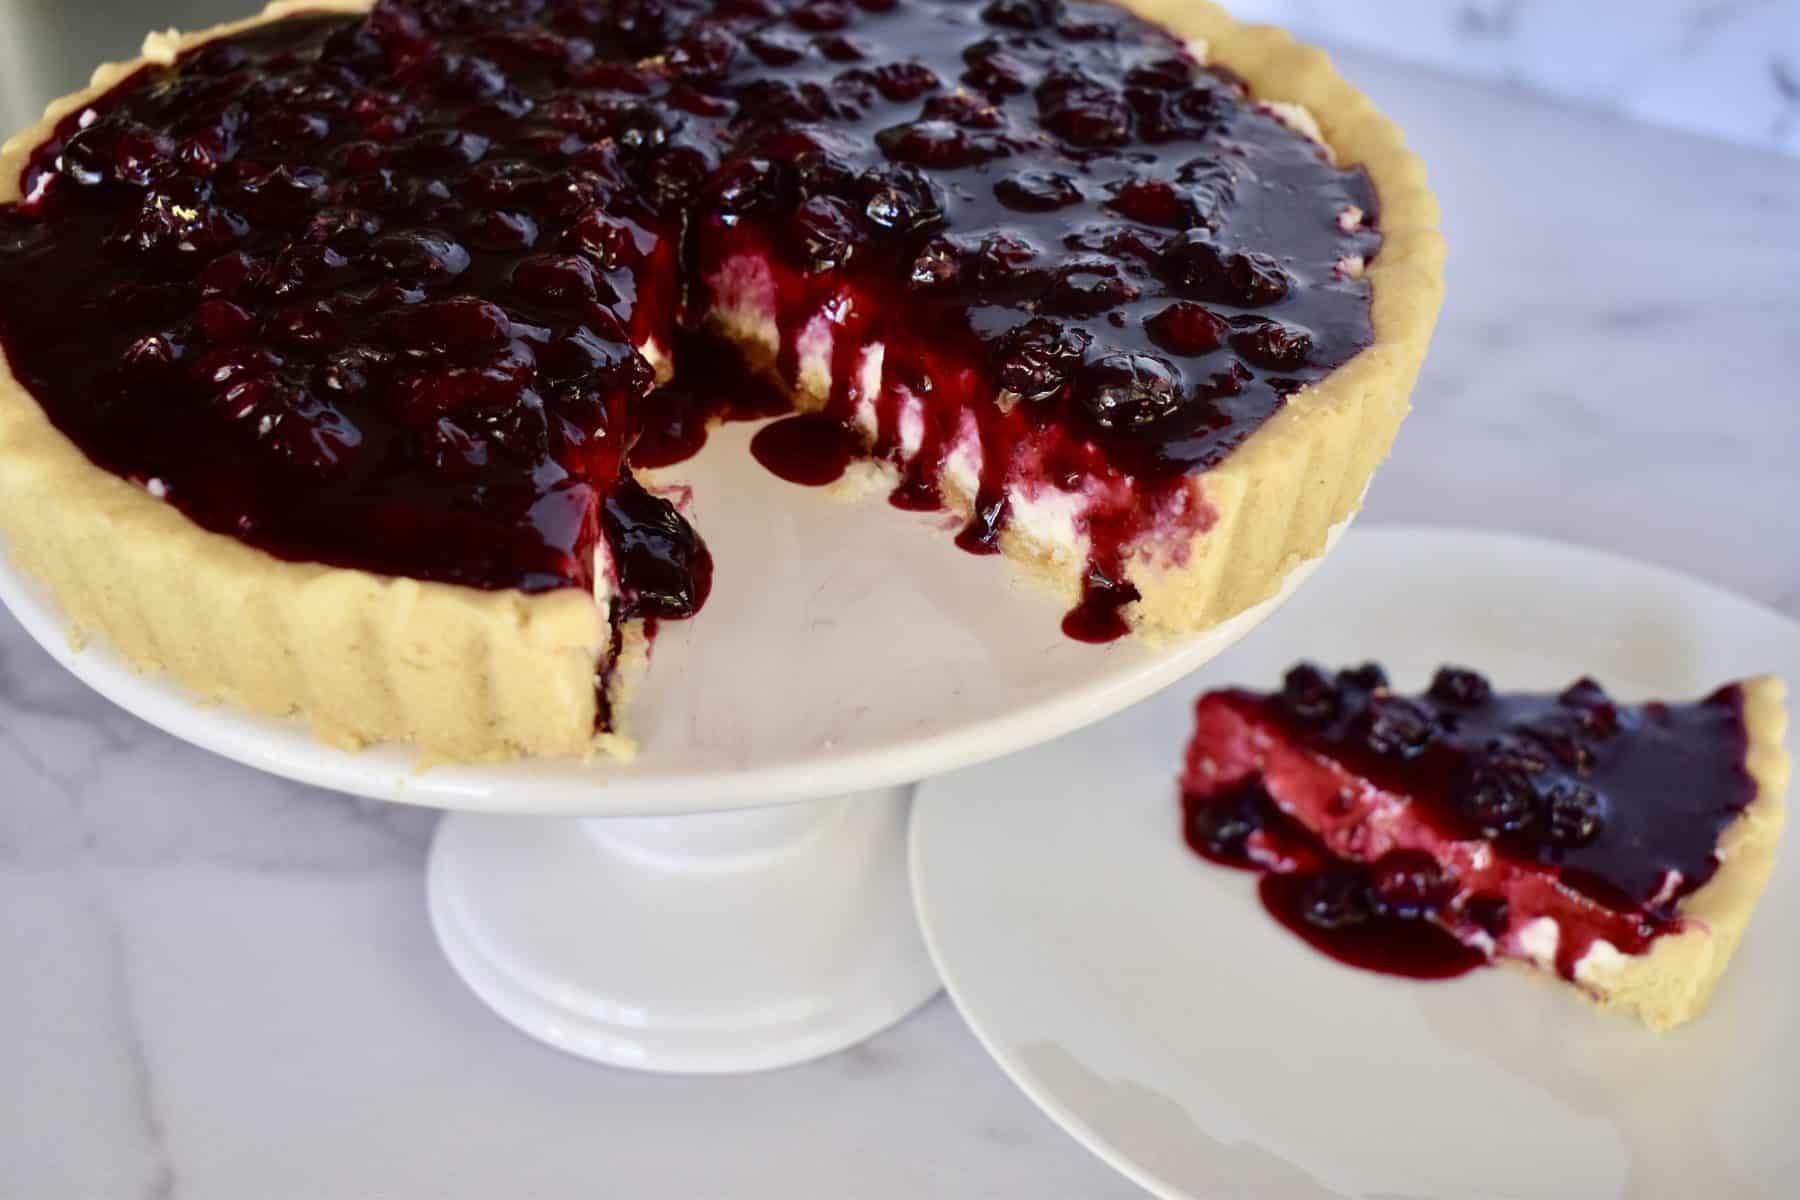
(736, 898)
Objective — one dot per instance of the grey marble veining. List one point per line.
(1727, 68)
(220, 985)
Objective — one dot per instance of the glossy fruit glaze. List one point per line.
(384, 291)
(1473, 812)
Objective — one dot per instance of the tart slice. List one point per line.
(1621, 847)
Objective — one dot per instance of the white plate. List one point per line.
(1143, 999)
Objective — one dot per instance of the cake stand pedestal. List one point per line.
(736, 897)
(727, 941)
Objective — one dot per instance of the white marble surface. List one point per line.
(217, 985)
(1728, 68)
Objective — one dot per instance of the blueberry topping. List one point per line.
(1461, 687)
(1126, 391)
(1397, 727)
(1309, 695)
(1036, 190)
(1369, 677)
(1572, 813)
(1038, 359)
(898, 197)
(1501, 798)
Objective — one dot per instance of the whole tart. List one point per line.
(1619, 847)
(331, 337)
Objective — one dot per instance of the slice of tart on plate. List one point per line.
(329, 335)
(1620, 847)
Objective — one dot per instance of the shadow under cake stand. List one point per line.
(736, 898)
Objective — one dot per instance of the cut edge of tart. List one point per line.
(1562, 834)
(469, 674)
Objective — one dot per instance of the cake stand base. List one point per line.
(709, 943)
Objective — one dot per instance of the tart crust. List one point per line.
(1671, 982)
(467, 674)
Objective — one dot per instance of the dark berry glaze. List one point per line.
(1501, 808)
(384, 292)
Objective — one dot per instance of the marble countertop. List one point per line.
(221, 985)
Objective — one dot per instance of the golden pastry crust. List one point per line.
(1672, 982)
(468, 674)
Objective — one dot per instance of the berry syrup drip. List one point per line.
(1380, 918)
(371, 290)
(714, 383)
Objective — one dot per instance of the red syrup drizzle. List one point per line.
(1100, 617)
(811, 449)
(1378, 919)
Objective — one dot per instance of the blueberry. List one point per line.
(1369, 677)
(1500, 799)
(1194, 265)
(559, 279)
(1088, 288)
(444, 149)
(998, 74)
(1599, 716)
(1461, 687)
(1397, 728)
(897, 197)
(1153, 202)
(1565, 747)
(827, 232)
(151, 355)
(817, 173)
(1037, 360)
(905, 81)
(1186, 328)
(936, 143)
(1094, 117)
(1037, 190)
(938, 264)
(1572, 813)
(607, 240)
(1026, 15)
(460, 326)
(821, 16)
(421, 255)
(675, 173)
(306, 325)
(961, 108)
(1272, 345)
(1223, 824)
(1130, 390)
(1309, 695)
